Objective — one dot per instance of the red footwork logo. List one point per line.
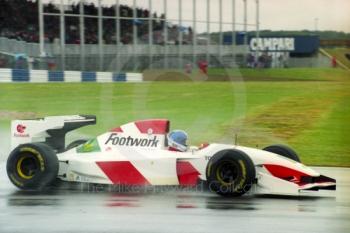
(21, 132)
(21, 128)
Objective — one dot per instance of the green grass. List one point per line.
(290, 74)
(313, 117)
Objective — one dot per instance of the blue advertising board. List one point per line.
(299, 44)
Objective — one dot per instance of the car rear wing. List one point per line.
(51, 130)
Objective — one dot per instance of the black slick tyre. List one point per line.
(32, 166)
(230, 173)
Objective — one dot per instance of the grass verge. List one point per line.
(313, 116)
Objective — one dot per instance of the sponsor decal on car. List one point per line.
(21, 128)
(115, 139)
(89, 146)
(21, 131)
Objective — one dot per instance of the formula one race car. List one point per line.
(138, 154)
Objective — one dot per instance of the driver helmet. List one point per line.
(177, 140)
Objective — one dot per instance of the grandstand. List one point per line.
(119, 35)
(93, 36)
(15, 25)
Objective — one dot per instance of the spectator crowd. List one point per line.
(19, 20)
(267, 60)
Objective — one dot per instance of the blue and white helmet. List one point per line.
(177, 139)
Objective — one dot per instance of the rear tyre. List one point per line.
(32, 166)
(230, 173)
(76, 143)
(284, 151)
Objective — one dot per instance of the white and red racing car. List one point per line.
(137, 154)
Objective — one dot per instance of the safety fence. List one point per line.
(43, 76)
(117, 58)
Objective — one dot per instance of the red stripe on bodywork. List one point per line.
(157, 126)
(186, 173)
(117, 130)
(122, 172)
(285, 173)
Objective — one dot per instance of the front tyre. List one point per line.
(230, 173)
(284, 151)
(32, 166)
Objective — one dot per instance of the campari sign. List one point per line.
(272, 44)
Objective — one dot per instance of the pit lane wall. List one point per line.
(43, 76)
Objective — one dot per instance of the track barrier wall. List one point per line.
(43, 76)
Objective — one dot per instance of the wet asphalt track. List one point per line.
(92, 210)
(89, 209)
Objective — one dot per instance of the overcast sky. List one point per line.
(274, 14)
